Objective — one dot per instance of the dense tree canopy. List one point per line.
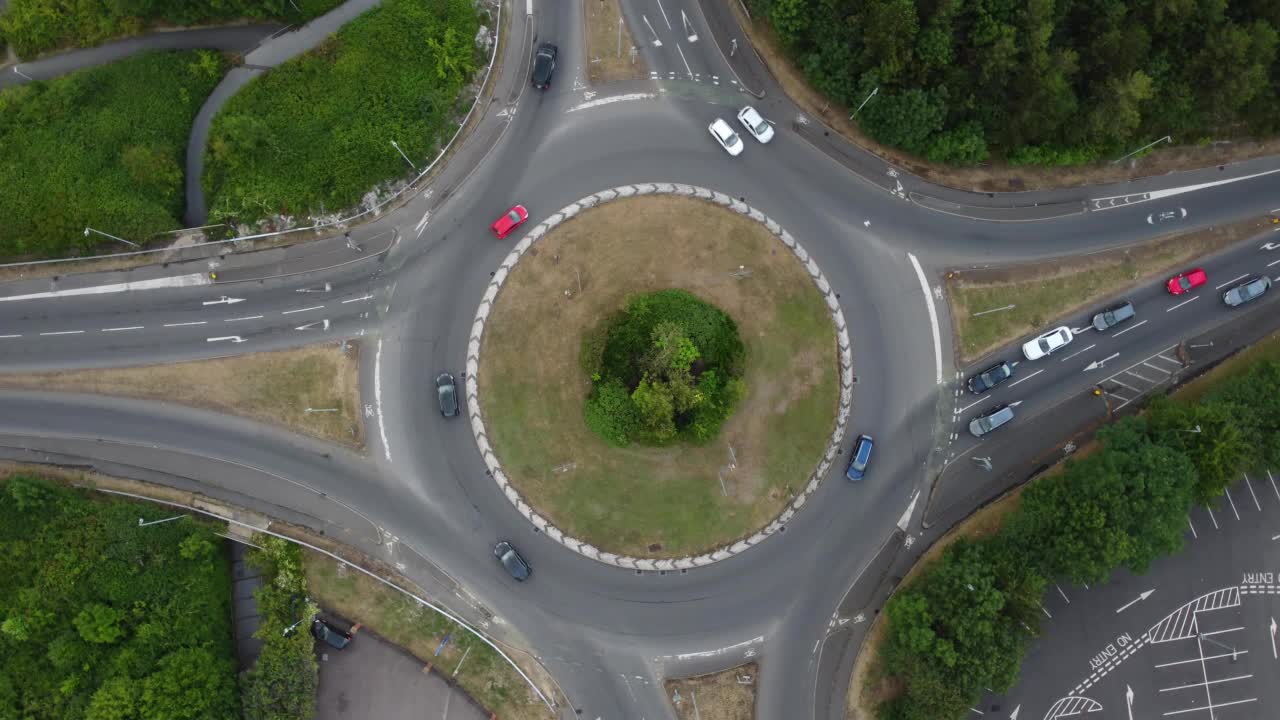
(101, 619)
(666, 368)
(1036, 80)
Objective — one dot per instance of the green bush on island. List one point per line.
(102, 147)
(35, 26)
(103, 619)
(315, 135)
(667, 368)
(962, 626)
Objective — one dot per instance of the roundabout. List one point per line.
(685, 500)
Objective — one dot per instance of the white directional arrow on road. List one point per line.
(1131, 603)
(224, 300)
(1099, 363)
(1273, 640)
(1128, 698)
(232, 338)
(688, 27)
(1014, 714)
(1271, 246)
(308, 326)
(906, 516)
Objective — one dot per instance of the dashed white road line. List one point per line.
(1184, 302)
(122, 329)
(365, 297)
(305, 309)
(247, 317)
(1026, 378)
(9, 336)
(1231, 281)
(184, 324)
(1131, 327)
(1078, 352)
(933, 317)
(63, 332)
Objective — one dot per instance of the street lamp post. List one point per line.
(864, 102)
(1166, 138)
(88, 230)
(396, 145)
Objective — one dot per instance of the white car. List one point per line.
(727, 138)
(759, 128)
(1047, 343)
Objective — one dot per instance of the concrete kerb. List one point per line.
(480, 433)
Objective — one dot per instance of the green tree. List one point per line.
(116, 699)
(190, 684)
(1215, 435)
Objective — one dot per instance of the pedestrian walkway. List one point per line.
(244, 606)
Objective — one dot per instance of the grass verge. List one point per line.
(656, 502)
(312, 136)
(718, 696)
(402, 621)
(102, 147)
(608, 57)
(1045, 291)
(994, 175)
(274, 387)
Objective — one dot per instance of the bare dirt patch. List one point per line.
(994, 176)
(658, 502)
(609, 59)
(274, 387)
(1047, 290)
(727, 695)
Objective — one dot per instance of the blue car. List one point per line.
(861, 456)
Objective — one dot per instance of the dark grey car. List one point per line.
(544, 63)
(1248, 290)
(328, 634)
(448, 392)
(512, 561)
(990, 378)
(1113, 316)
(992, 419)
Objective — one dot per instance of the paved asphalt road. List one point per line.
(607, 635)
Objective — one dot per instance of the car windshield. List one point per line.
(761, 127)
(984, 424)
(731, 139)
(1184, 282)
(513, 216)
(1044, 344)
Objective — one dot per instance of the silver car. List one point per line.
(990, 420)
(1248, 290)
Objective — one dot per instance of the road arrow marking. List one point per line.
(308, 326)
(1273, 640)
(1142, 596)
(688, 28)
(1128, 698)
(1271, 246)
(1014, 714)
(906, 516)
(224, 300)
(327, 287)
(1099, 363)
(232, 338)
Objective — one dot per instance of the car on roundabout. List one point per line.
(512, 561)
(725, 135)
(756, 125)
(544, 64)
(1047, 343)
(861, 457)
(447, 393)
(989, 378)
(510, 220)
(1250, 289)
(1186, 281)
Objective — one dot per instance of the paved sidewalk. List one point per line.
(244, 606)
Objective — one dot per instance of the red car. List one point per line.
(509, 221)
(1187, 281)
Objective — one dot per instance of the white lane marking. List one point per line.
(1125, 386)
(1202, 684)
(1233, 503)
(1184, 302)
(1026, 378)
(1194, 534)
(9, 336)
(609, 100)
(966, 407)
(247, 317)
(1211, 708)
(1249, 485)
(377, 399)
(664, 14)
(305, 309)
(1214, 519)
(1206, 657)
(1078, 352)
(1231, 281)
(198, 322)
(1153, 382)
(153, 284)
(364, 297)
(1064, 595)
(232, 338)
(1221, 632)
(528, 7)
(63, 332)
(1273, 485)
(686, 62)
(1157, 369)
(933, 317)
(120, 329)
(1135, 325)
(1170, 192)
(1273, 262)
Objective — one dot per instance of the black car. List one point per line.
(1113, 316)
(328, 634)
(990, 378)
(544, 63)
(448, 392)
(512, 561)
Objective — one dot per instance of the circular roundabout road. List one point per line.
(609, 635)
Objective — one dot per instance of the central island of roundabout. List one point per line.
(659, 376)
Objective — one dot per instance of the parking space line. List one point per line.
(1157, 369)
(1207, 657)
(1153, 382)
(1135, 325)
(1168, 359)
(1077, 353)
(1184, 302)
(1231, 281)
(1249, 484)
(1202, 684)
(1125, 386)
(1211, 708)
(1223, 631)
(1211, 517)
(1031, 376)
(1273, 485)
(1193, 530)
(1233, 503)
(1064, 595)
